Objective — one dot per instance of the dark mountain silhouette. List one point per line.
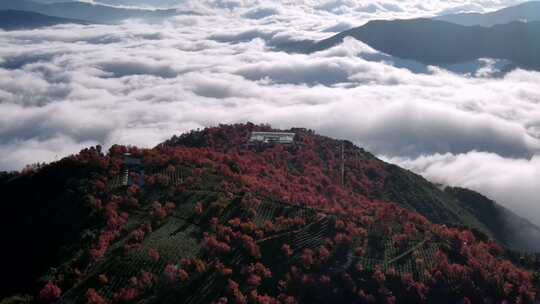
(86, 11)
(164, 3)
(141, 3)
(525, 12)
(16, 20)
(439, 42)
(212, 217)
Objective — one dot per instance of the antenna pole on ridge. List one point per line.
(342, 164)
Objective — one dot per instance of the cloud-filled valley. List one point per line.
(66, 87)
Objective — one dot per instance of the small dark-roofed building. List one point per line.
(135, 165)
(131, 161)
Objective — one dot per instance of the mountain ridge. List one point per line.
(435, 42)
(16, 20)
(528, 11)
(208, 216)
(513, 230)
(86, 11)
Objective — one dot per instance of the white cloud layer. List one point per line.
(514, 181)
(66, 87)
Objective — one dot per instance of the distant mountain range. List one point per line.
(142, 2)
(152, 3)
(439, 42)
(510, 35)
(526, 12)
(86, 11)
(16, 20)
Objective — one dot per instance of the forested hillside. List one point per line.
(207, 217)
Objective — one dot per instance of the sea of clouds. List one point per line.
(66, 87)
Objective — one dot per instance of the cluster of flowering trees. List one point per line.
(136, 237)
(253, 276)
(187, 268)
(93, 297)
(115, 223)
(153, 254)
(137, 286)
(159, 212)
(49, 293)
(211, 244)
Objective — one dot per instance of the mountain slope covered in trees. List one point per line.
(207, 218)
(510, 229)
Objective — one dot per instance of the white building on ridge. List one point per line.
(272, 137)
